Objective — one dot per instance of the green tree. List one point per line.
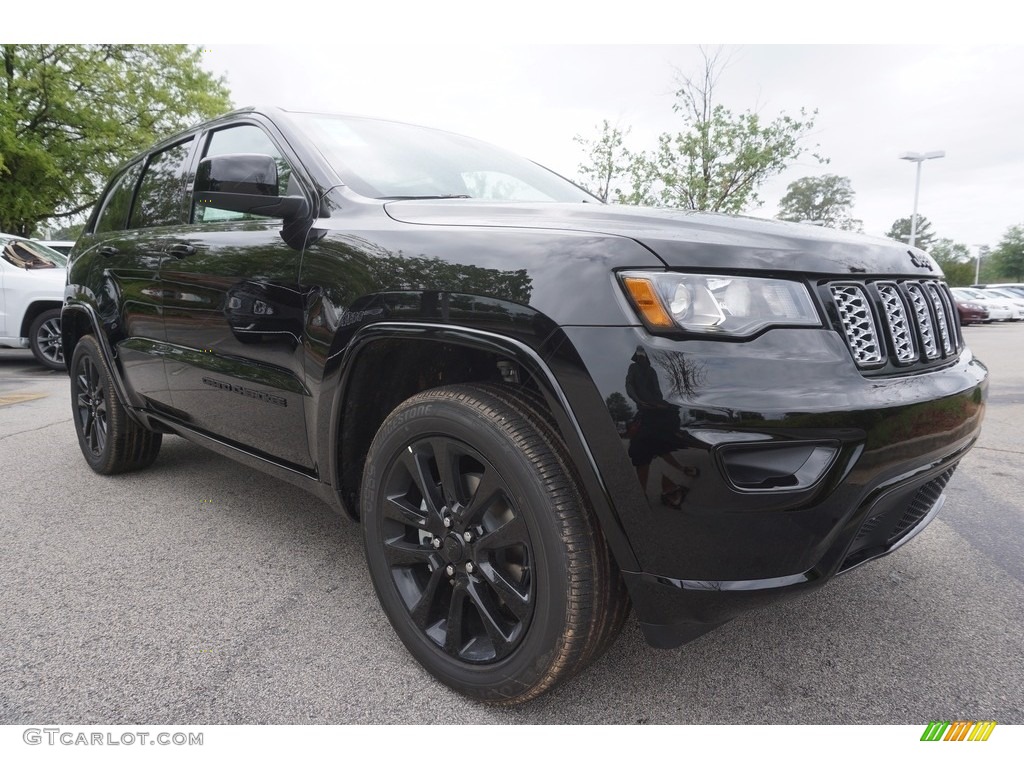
(607, 161)
(619, 407)
(1008, 257)
(924, 237)
(716, 162)
(956, 261)
(70, 114)
(826, 200)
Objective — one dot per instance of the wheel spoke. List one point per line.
(418, 466)
(424, 609)
(453, 489)
(509, 534)
(453, 644)
(398, 508)
(487, 492)
(513, 599)
(101, 433)
(490, 613)
(399, 552)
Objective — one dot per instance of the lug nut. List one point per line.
(450, 570)
(467, 536)
(436, 543)
(447, 522)
(469, 567)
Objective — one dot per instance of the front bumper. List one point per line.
(717, 547)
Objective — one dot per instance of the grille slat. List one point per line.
(899, 325)
(906, 323)
(858, 322)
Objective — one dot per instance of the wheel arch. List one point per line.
(352, 425)
(77, 320)
(33, 310)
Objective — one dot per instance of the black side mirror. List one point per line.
(245, 184)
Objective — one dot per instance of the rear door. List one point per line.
(142, 206)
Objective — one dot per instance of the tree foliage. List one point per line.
(825, 200)
(924, 237)
(70, 114)
(607, 161)
(956, 261)
(1008, 257)
(716, 161)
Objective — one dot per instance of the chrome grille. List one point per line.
(940, 313)
(899, 326)
(896, 324)
(858, 323)
(924, 321)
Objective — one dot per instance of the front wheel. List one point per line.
(480, 547)
(44, 340)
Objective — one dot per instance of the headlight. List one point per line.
(717, 304)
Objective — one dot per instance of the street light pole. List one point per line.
(977, 264)
(918, 157)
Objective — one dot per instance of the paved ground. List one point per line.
(202, 592)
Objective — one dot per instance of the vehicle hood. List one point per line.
(689, 239)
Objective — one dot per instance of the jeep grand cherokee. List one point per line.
(542, 410)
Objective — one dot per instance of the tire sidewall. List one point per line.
(531, 660)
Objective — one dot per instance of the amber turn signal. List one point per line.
(646, 299)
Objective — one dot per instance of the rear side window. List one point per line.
(243, 139)
(159, 201)
(114, 213)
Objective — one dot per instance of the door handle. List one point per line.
(108, 250)
(181, 250)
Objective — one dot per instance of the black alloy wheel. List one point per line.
(45, 341)
(111, 441)
(91, 406)
(483, 553)
(458, 549)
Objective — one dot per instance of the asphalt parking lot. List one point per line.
(202, 592)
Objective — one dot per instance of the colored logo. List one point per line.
(958, 730)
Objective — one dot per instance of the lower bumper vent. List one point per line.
(893, 520)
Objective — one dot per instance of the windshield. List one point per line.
(387, 160)
(26, 254)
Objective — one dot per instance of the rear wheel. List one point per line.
(44, 340)
(485, 558)
(110, 440)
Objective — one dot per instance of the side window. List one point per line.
(158, 202)
(247, 140)
(114, 213)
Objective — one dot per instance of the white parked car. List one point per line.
(1008, 296)
(998, 308)
(32, 279)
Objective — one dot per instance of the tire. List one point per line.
(44, 340)
(495, 577)
(111, 441)
(615, 603)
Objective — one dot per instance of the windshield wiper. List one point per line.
(424, 197)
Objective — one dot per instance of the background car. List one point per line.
(970, 311)
(31, 294)
(61, 246)
(1007, 295)
(998, 309)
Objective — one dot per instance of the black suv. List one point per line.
(542, 410)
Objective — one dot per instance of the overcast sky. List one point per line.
(873, 102)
